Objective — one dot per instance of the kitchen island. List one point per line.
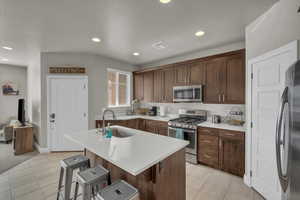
(154, 164)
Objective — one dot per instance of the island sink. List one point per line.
(120, 132)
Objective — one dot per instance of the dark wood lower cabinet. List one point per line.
(222, 149)
(163, 181)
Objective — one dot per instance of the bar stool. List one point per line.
(68, 165)
(91, 181)
(119, 190)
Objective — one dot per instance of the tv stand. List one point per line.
(23, 139)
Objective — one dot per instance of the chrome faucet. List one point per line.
(103, 118)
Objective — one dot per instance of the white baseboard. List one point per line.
(40, 149)
(247, 180)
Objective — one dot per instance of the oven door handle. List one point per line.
(184, 130)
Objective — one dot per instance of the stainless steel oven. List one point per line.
(187, 93)
(188, 135)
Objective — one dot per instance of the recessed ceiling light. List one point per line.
(200, 33)
(95, 39)
(136, 54)
(7, 48)
(165, 1)
(4, 59)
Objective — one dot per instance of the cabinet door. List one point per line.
(148, 86)
(150, 126)
(181, 74)
(208, 147)
(158, 86)
(162, 128)
(168, 76)
(235, 80)
(214, 75)
(232, 152)
(132, 123)
(141, 124)
(139, 86)
(197, 73)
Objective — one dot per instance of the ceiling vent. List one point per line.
(159, 45)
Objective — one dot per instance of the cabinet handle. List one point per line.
(206, 141)
(223, 97)
(219, 98)
(229, 134)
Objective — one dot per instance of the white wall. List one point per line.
(199, 54)
(34, 93)
(9, 104)
(277, 27)
(96, 68)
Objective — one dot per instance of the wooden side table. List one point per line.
(23, 139)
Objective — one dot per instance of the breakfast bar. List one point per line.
(154, 164)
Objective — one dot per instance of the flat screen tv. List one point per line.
(21, 111)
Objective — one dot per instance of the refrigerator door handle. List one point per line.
(279, 142)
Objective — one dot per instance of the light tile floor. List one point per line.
(37, 179)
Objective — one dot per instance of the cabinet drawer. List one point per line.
(236, 135)
(208, 131)
(209, 140)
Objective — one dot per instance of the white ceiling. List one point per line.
(125, 26)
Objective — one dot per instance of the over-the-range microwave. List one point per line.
(191, 93)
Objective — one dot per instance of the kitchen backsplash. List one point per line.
(172, 109)
(213, 109)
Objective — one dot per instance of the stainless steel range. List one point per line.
(185, 127)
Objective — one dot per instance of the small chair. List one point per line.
(119, 190)
(91, 181)
(6, 133)
(68, 165)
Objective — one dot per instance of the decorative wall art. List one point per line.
(10, 88)
(68, 69)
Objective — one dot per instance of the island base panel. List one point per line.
(163, 181)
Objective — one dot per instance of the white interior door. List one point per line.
(267, 86)
(67, 110)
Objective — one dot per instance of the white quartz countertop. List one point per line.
(133, 154)
(222, 126)
(167, 118)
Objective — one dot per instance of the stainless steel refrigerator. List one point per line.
(288, 136)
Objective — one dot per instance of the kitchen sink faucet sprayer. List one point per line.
(105, 110)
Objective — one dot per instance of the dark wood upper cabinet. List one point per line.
(148, 86)
(222, 77)
(181, 73)
(138, 86)
(158, 86)
(235, 79)
(225, 79)
(163, 85)
(168, 76)
(214, 80)
(197, 73)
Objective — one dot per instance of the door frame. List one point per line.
(49, 78)
(291, 47)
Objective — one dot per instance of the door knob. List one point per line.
(52, 115)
